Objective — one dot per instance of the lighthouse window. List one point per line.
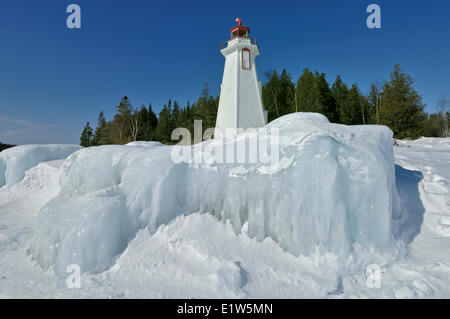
(245, 58)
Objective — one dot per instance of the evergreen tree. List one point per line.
(444, 110)
(99, 136)
(326, 103)
(152, 122)
(87, 136)
(109, 133)
(186, 120)
(313, 94)
(5, 146)
(122, 120)
(124, 108)
(210, 112)
(201, 109)
(353, 111)
(287, 89)
(270, 95)
(402, 107)
(205, 110)
(432, 125)
(164, 128)
(278, 94)
(339, 90)
(305, 93)
(143, 120)
(176, 114)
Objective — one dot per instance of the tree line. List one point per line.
(394, 103)
(133, 124)
(5, 146)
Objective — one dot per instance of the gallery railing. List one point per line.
(225, 43)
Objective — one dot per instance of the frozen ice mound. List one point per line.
(332, 191)
(16, 160)
(145, 144)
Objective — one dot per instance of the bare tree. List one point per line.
(295, 100)
(362, 103)
(135, 124)
(444, 110)
(379, 99)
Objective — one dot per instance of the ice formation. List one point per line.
(333, 191)
(16, 160)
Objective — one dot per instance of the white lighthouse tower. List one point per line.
(240, 103)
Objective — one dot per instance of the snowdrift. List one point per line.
(332, 191)
(16, 160)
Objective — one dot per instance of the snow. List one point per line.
(341, 202)
(185, 259)
(150, 228)
(15, 161)
(145, 144)
(422, 167)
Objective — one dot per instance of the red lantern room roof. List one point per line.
(239, 30)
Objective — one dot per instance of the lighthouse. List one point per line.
(240, 103)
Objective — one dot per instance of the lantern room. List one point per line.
(240, 30)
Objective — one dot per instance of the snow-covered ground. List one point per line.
(199, 255)
(423, 181)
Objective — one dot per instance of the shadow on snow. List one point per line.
(407, 227)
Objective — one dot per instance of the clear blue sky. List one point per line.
(54, 79)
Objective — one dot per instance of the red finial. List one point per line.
(239, 30)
